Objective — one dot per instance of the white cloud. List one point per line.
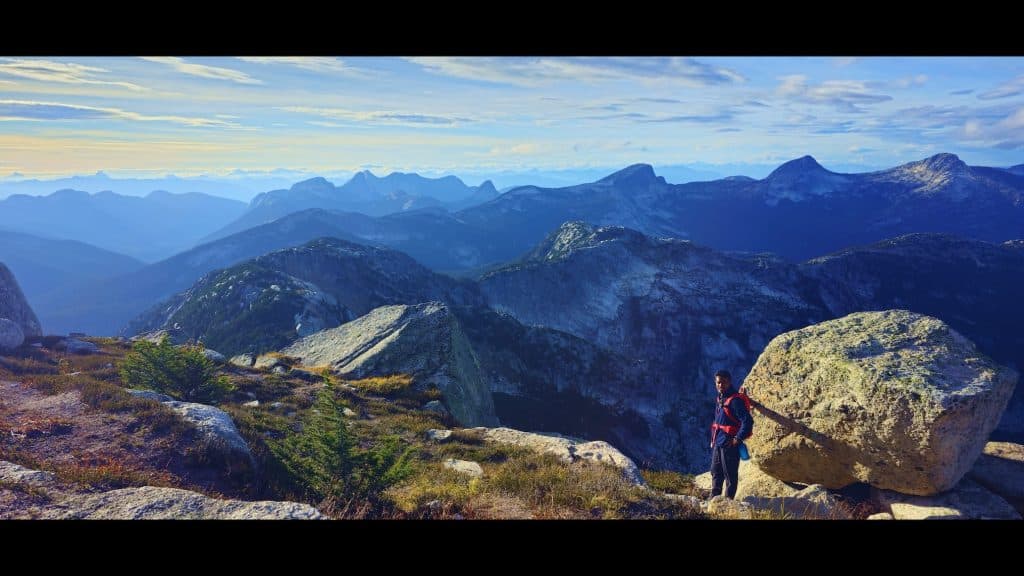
(1014, 121)
(311, 63)
(844, 95)
(204, 71)
(534, 71)
(522, 149)
(1007, 132)
(36, 111)
(1013, 87)
(379, 117)
(908, 81)
(62, 72)
(792, 85)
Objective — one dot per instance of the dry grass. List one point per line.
(106, 397)
(35, 493)
(49, 426)
(671, 482)
(35, 362)
(383, 385)
(108, 474)
(440, 484)
(412, 423)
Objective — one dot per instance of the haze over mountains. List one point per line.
(44, 265)
(799, 211)
(239, 185)
(364, 193)
(148, 228)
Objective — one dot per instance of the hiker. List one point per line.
(732, 425)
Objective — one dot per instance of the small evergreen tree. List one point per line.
(324, 461)
(319, 457)
(182, 372)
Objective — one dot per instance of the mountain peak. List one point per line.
(634, 175)
(576, 234)
(802, 165)
(67, 193)
(318, 184)
(942, 173)
(944, 163)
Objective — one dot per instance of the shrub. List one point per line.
(181, 372)
(324, 462)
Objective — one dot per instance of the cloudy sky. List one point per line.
(187, 116)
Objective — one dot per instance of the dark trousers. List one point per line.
(725, 466)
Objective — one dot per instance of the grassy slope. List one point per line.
(375, 464)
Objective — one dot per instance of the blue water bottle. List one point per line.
(744, 454)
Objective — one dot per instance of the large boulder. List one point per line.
(1001, 469)
(11, 335)
(76, 346)
(14, 307)
(895, 399)
(218, 431)
(424, 341)
(215, 426)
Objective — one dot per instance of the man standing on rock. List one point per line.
(732, 424)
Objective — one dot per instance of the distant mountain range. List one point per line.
(799, 211)
(364, 193)
(148, 228)
(239, 185)
(43, 265)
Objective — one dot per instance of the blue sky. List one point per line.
(190, 116)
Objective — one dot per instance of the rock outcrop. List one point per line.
(14, 307)
(1001, 470)
(213, 424)
(153, 503)
(967, 501)
(567, 449)
(812, 503)
(11, 335)
(143, 503)
(894, 399)
(424, 341)
(76, 346)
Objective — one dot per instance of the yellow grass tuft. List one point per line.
(384, 385)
